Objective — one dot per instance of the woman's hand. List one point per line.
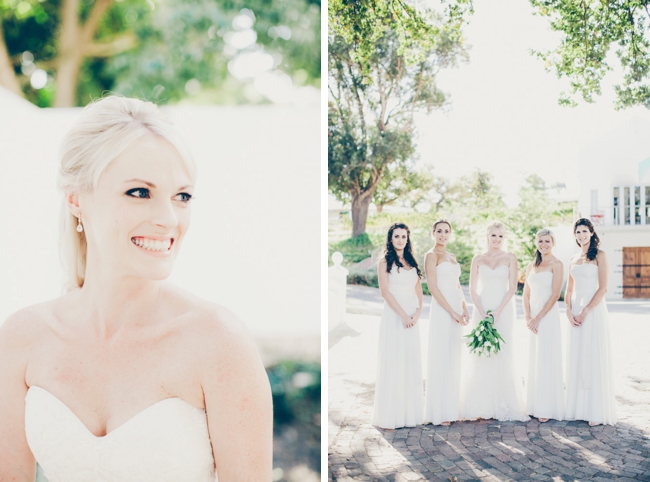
(571, 318)
(581, 317)
(533, 323)
(415, 317)
(495, 316)
(407, 321)
(465, 316)
(458, 318)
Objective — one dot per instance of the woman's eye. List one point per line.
(139, 192)
(183, 196)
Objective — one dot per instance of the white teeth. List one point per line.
(153, 245)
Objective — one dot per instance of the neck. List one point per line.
(399, 253)
(440, 247)
(546, 256)
(585, 247)
(494, 250)
(114, 301)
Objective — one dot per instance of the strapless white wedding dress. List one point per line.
(491, 386)
(167, 441)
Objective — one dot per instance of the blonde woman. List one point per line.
(490, 387)
(126, 377)
(544, 278)
(447, 317)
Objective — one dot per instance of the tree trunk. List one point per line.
(380, 207)
(66, 80)
(360, 204)
(7, 75)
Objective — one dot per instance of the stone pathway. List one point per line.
(486, 450)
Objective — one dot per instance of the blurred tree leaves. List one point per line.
(153, 48)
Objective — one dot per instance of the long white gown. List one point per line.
(489, 385)
(590, 391)
(545, 385)
(166, 442)
(445, 346)
(399, 388)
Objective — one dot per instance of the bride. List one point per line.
(490, 388)
(126, 377)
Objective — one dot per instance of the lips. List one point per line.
(153, 244)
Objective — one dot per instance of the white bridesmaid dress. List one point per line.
(399, 387)
(545, 385)
(445, 346)
(590, 392)
(490, 386)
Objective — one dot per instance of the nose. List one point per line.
(163, 214)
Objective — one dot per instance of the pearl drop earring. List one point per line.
(80, 228)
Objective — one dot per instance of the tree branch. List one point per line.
(91, 23)
(108, 49)
(7, 75)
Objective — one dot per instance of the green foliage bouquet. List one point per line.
(485, 337)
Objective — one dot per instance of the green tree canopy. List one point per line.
(590, 30)
(376, 86)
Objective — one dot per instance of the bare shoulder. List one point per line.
(479, 258)
(431, 256)
(601, 255)
(511, 258)
(382, 262)
(27, 327)
(212, 331)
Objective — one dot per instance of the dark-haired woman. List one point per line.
(544, 278)
(448, 315)
(398, 391)
(590, 378)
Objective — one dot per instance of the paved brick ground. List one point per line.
(486, 450)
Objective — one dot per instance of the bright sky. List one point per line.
(504, 115)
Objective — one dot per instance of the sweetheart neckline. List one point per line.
(495, 268)
(105, 436)
(449, 262)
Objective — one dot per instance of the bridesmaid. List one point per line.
(398, 392)
(544, 278)
(448, 314)
(590, 378)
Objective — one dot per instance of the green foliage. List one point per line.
(590, 29)
(364, 277)
(362, 24)
(154, 48)
(354, 249)
(296, 390)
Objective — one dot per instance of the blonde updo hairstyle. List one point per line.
(106, 127)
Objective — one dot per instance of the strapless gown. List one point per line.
(545, 382)
(490, 387)
(445, 347)
(590, 393)
(166, 442)
(399, 391)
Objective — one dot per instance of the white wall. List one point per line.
(612, 160)
(259, 178)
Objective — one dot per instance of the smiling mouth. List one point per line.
(156, 245)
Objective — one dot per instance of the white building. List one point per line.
(615, 195)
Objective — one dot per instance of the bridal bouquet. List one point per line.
(485, 337)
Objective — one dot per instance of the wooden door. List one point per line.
(636, 272)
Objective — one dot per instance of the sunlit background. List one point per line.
(241, 81)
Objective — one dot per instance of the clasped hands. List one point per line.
(461, 319)
(576, 320)
(410, 321)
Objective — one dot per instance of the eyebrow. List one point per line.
(152, 185)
